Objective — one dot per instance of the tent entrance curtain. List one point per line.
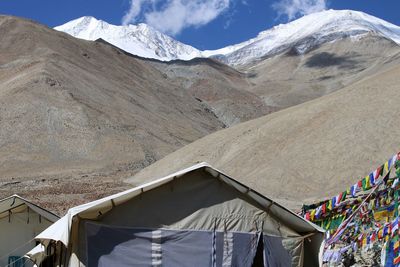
(122, 247)
(275, 255)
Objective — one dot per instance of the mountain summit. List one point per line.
(307, 33)
(141, 39)
(301, 35)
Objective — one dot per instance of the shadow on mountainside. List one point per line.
(325, 59)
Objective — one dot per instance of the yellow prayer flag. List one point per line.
(367, 182)
(364, 242)
(329, 206)
(380, 233)
(386, 167)
(396, 245)
(312, 214)
(328, 225)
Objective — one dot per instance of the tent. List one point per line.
(196, 217)
(20, 222)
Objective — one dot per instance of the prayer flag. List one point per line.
(324, 208)
(365, 183)
(380, 233)
(380, 170)
(386, 167)
(395, 182)
(353, 190)
(396, 245)
(394, 159)
(372, 179)
(348, 191)
(364, 242)
(344, 195)
(395, 226)
(373, 237)
(396, 260)
(376, 174)
(333, 202)
(360, 238)
(339, 198)
(318, 212)
(385, 230)
(312, 215)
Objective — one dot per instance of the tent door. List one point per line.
(259, 257)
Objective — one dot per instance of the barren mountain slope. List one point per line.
(306, 152)
(283, 80)
(290, 78)
(73, 110)
(222, 88)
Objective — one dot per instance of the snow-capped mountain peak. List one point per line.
(141, 39)
(305, 33)
(302, 34)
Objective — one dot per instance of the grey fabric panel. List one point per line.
(241, 254)
(186, 248)
(296, 248)
(219, 248)
(244, 249)
(122, 247)
(118, 247)
(228, 249)
(275, 255)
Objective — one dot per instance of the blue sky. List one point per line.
(204, 24)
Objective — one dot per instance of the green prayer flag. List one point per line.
(381, 169)
(364, 184)
(343, 196)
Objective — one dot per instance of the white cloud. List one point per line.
(294, 8)
(134, 11)
(173, 16)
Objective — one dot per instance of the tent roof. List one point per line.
(16, 203)
(60, 230)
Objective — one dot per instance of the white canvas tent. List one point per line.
(20, 222)
(196, 217)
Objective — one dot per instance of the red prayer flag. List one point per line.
(379, 171)
(396, 260)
